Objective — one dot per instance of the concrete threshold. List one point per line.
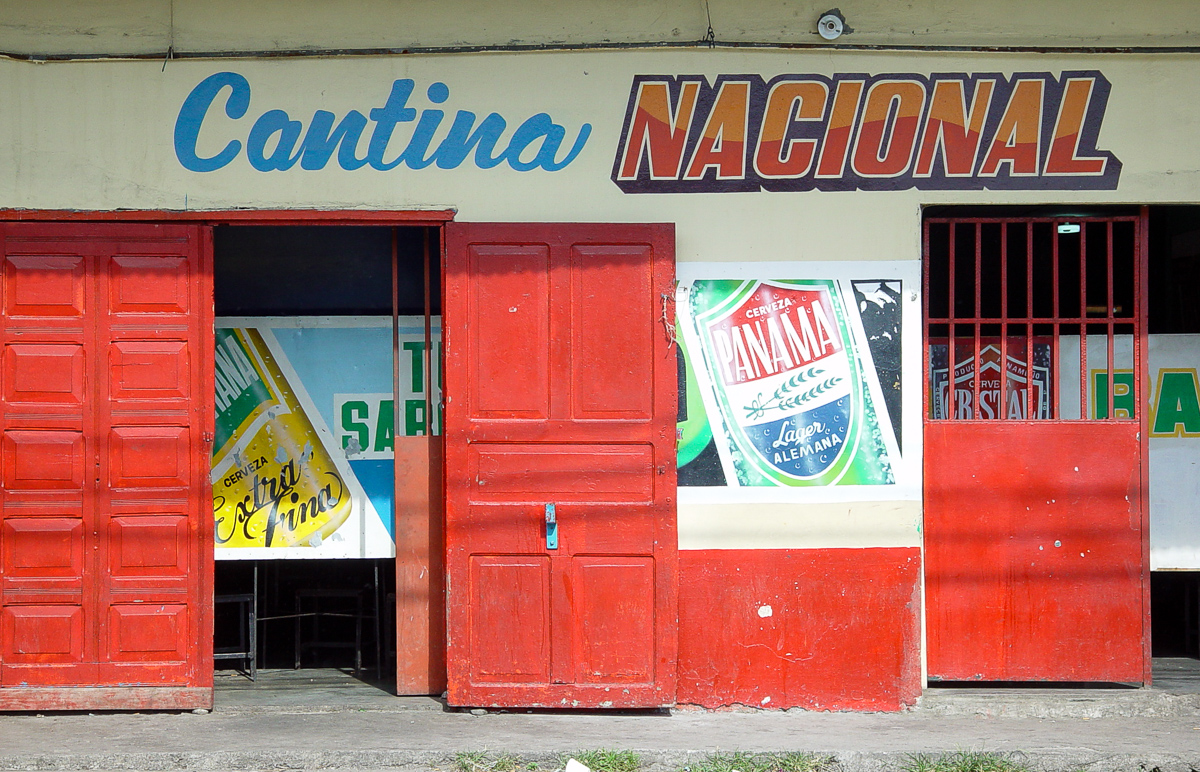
(1176, 692)
(318, 691)
(1057, 703)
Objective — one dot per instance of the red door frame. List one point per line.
(1141, 357)
(426, 670)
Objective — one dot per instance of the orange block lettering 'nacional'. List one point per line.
(943, 131)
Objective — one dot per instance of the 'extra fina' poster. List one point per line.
(305, 430)
(792, 380)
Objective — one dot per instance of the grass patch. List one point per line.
(964, 761)
(506, 762)
(481, 761)
(606, 760)
(741, 761)
(469, 761)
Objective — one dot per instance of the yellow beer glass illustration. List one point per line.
(274, 483)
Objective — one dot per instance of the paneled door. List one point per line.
(105, 425)
(560, 465)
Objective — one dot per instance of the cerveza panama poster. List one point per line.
(791, 383)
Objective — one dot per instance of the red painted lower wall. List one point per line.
(843, 632)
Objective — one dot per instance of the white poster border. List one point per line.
(907, 468)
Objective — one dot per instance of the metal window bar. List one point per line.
(1106, 316)
(1055, 344)
(1140, 342)
(926, 353)
(1110, 331)
(1029, 373)
(1083, 324)
(951, 348)
(1003, 312)
(977, 381)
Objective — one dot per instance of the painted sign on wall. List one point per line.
(685, 134)
(275, 482)
(790, 383)
(945, 131)
(306, 425)
(273, 140)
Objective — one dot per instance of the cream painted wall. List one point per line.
(98, 136)
(824, 525)
(149, 26)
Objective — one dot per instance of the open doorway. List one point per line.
(1174, 326)
(1170, 397)
(328, 363)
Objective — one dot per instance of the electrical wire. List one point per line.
(309, 53)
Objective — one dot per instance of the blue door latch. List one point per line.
(551, 528)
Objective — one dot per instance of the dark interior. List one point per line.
(1174, 282)
(317, 271)
(321, 270)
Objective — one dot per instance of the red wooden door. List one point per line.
(1036, 545)
(560, 384)
(105, 544)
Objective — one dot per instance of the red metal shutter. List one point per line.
(560, 383)
(105, 539)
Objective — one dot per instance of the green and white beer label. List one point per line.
(792, 382)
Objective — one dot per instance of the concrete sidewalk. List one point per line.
(324, 721)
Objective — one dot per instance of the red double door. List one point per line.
(105, 554)
(560, 465)
(560, 382)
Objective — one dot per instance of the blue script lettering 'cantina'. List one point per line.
(277, 142)
(788, 383)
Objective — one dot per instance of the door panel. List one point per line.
(44, 286)
(148, 546)
(42, 634)
(510, 630)
(561, 399)
(612, 283)
(140, 632)
(614, 628)
(149, 284)
(563, 472)
(103, 460)
(42, 550)
(1054, 563)
(38, 460)
(47, 373)
(149, 370)
(509, 308)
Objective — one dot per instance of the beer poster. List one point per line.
(305, 426)
(791, 383)
(1172, 399)
(999, 397)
